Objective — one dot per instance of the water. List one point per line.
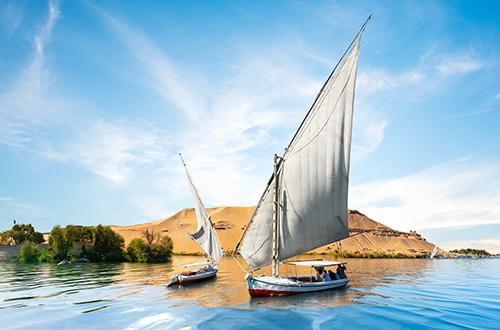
(383, 294)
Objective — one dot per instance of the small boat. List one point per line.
(206, 237)
(304, 204)
(197, 274)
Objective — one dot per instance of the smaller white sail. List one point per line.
(205, 235)
(434, 252)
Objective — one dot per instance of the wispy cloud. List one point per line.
(165, 78)
(462, 63)
(474, 113)
(22, 209)
(224, 122)
(112, 149)
(46, 30)
(456, 194)
(377, 80)
(11, 16)
(498, 97)
(105, 147)
(370, 131)
(21, 107)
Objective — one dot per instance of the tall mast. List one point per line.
(275, 251)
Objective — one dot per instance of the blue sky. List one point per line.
(98, 98)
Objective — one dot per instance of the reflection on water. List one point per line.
(44, 292)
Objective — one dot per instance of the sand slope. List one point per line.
(230, 221)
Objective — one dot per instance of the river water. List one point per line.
(382, 294)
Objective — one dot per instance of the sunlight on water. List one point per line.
(460, 293)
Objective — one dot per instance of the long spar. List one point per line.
(278, 166)
(204, 209)
(323, 88)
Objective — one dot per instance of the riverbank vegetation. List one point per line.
(470, 251)
(20, 233)
(380, 255)
(98, 244)
(152, 251)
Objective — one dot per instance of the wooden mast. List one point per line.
(275, 245)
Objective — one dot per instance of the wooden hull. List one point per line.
(193, 276)
(278, 286)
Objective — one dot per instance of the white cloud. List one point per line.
(46, 30)
(377, 80)
(10, 18)
(166, 80)
(468, 114)
(368, 132)
(454, 64)
(498, 96)
(112, 149)
(225, 122)
(21, 107)
(22, 209)
(107, 148)
(457, 194)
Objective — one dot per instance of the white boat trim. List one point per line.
(314, 263)
(196, 264)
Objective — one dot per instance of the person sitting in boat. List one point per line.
(333, 276)
(341, 271)
(319, 273)
(327, 277)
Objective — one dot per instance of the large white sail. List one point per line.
(313, 178)
(205, 236)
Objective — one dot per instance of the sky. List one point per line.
(97, 99)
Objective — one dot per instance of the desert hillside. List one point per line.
(370, 236)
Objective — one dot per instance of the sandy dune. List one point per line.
(229, 222)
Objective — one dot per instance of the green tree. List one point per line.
(62, 241)
(46, 256)
(21, 233)
(5, 238)
(106, 245)
(139, 250)
(162, 250)
(37, 237)
(84, 234)
(29, 252)
(472, 251)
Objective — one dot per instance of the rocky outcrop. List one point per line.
(369, 236)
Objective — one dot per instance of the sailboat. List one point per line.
(304, 204)
(433, 254)
(206, 237)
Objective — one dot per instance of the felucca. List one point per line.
(304, 204)
(206, 237)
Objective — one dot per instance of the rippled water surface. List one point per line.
(383, 294)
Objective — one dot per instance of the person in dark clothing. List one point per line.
(333, 276)
(341, 271)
